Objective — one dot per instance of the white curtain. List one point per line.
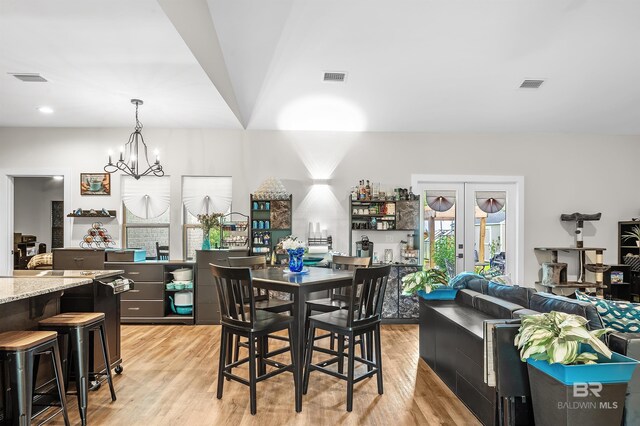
(147, 197)
(207, 194)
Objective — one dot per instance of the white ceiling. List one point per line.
(413, 65)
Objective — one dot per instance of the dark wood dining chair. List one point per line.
(362, 317)
(263, 301)
(241, 318)
(162, 252)
(338, 298)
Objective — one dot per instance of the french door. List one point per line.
(472, 226)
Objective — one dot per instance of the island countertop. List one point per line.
(91, 274)
(19, 288)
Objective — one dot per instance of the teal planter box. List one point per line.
(618, 369)
(439, 294)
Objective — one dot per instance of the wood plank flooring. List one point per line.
(170, 374)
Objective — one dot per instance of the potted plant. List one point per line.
(575, 379)
(634, 234)
(207, 223)
(430, 284)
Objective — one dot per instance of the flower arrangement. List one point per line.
(208, 221)
(555, 337)
(425, 280)
(292, 243)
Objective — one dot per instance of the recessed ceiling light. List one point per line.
(45, 110)
(58, 177)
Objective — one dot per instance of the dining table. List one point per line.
(300, 285)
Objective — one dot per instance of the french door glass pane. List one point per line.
(440, 230)
(490, 225)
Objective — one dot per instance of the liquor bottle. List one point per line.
(354, 193)
(273, 258)
(411, 195)
(363, 193)
(367, 190)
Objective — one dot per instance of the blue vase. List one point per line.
(206, 243)
(295, 259)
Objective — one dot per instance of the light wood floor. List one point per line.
(170, 375)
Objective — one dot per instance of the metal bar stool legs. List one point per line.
(20, 358)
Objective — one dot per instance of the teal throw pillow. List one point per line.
(616, 315)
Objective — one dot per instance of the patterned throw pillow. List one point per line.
(502, 279)
(619, 316)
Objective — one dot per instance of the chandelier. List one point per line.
(129, 161)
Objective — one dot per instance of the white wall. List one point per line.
(32, 206)
(563, 173)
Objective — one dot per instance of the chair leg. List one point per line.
(293, 349)
(332, 342)
(20, 375)
(262, 366)
(369, 351)
(350, 368)
(307, 361)
(252, 374)
(80, 344)
(341, 353)
(378, 359)
(224, 341)
(236, 352)
(57, 370)
(107, 361)
(36, 366)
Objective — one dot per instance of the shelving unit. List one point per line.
(269, 222)
(581, 283)
(235, 230)
(384, 216)
(85, 213)
(626, 247)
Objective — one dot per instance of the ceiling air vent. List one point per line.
(334, 76)
(29, 77)
(531, 84)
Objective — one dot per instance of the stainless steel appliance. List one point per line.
(364, 247)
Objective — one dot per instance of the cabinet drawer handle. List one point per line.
(133, 273)
(78, 259)
(133, 309)
(134, 291)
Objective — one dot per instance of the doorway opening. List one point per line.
(38, 225)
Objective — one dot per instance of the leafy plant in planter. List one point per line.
(556, 336)
(557, 348)
(425, 280)
(634, 234)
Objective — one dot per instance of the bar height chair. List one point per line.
(78, 326)
(263, 301)
(241, 318)
(20, 352)
(362, 316)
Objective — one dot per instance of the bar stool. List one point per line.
(18, 352)
(77, 326)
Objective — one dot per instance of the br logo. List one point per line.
(583, 390)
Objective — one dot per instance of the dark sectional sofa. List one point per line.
(452, 342)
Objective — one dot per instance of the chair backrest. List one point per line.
(347, 263)
(253, 262)
(235, 294)
(350, 262)
(367, 295)
(162, 252)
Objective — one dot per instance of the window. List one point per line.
(144, 233)
(200, 195)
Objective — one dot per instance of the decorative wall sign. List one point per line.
(95, 184)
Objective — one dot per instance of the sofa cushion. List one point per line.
(617, 315)
(546, 302)
(495, 307)
(465, 297)
(478, 284)
(511, 293)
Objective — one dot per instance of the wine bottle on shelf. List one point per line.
(367, 190)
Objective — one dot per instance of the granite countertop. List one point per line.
(91, 274)
(18, 288)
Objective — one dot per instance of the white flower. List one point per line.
(292, 243)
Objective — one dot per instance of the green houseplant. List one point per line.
(207, 223)
(566, 361)
(634, 234)
(430, 284)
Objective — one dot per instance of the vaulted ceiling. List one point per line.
(412, 65)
